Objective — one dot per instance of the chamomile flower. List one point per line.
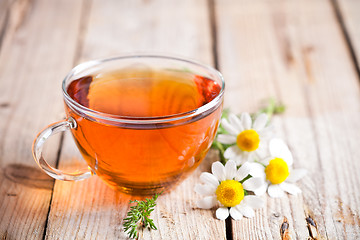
(248, 137)
(225, 187)
(277, 172)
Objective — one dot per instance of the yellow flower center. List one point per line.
(230, 193)
(277, 171)
(248, 140)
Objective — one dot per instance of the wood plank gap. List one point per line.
(58, 155)
(84, 22)
(350, 45)
(4, 28)
(228, 228)
(213, 32)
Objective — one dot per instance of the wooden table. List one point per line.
(304, 53)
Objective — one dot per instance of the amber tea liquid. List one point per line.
(140, 159)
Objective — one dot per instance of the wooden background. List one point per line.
(305, 53)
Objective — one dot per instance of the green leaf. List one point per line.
(139, 214)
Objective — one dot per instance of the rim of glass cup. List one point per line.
(213, 104)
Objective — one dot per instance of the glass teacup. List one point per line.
(142, 123)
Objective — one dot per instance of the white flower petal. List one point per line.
(262, 150)
(243, 171)
(228, 127)
(253, 201)
(260, 122)
(290, 188)
(226, 139)
(218, 170)
(230, 169)
(235, 121)
(266, 160)
(275, 191)
(235, 214)
(246, 210)
(246, 120)
(278, 148)
(207, 202)
(204, 189)
(261, 190)
(250, 156)
(238, 160)
(257, 170)
(253, 183)
(210, 179)
(222, 213)
(267, 131)
(296, 174)
(232, 151)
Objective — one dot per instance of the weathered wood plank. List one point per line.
(295, 51)
(37, 48)
(246, 62)
(156, 26)
(86, 209)
(349, 10)
(89, 209)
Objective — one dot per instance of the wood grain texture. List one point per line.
(37, 48)
(91, 210)
(293, 50)
(296, 51)
(155, 26)
(86, 209)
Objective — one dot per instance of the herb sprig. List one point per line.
(272, 107)
(140, 212)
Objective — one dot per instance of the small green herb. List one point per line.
(140, 212)
(272, 107)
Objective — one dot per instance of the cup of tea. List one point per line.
(142, 123)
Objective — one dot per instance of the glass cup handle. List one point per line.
(37, 149)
